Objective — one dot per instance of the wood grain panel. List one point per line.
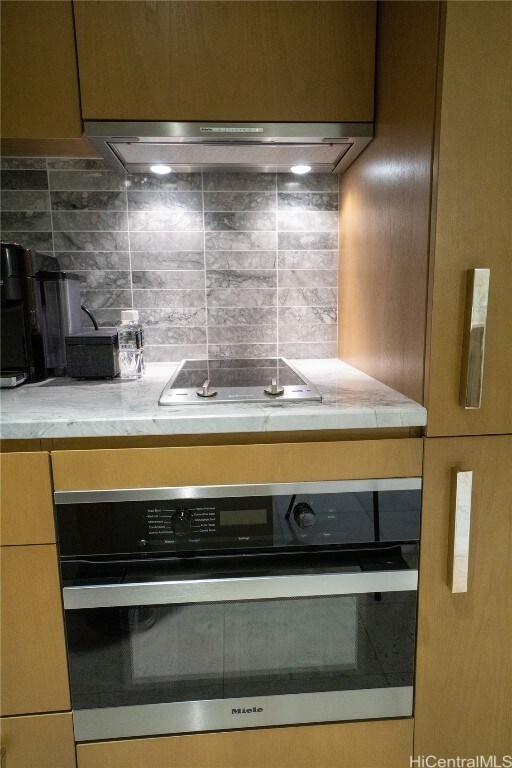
(472, 225)
(33, 656)
(385, 207)
(222, 465)
(38, 741)
(264, 61)
(464, 658)
(40, 97)
(47, 148)
(384, 744)
(26, 499)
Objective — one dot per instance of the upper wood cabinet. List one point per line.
(265, 61)
(463, 704)
(471, 222)
(26, 499)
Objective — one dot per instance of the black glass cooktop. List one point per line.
(241, 380)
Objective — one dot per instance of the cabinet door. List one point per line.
(40, 97)
(33, 655)
(471, 227)
(385, 744)
(463, 702)
(263, 61)
(26, 499)
(38, 741)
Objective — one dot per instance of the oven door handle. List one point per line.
(235, 589)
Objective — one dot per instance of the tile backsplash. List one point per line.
(218, 264)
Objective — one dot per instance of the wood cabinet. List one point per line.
(233, 464)
(33, 655)
(264, 61)
(428, 200)
(40, 97)
(385, 744)
(463, 701)
(26, 499)
(38, 741)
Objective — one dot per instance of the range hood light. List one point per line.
(299, 169)
(161, 169)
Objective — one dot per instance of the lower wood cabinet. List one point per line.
(379, 744)
(38, 741)
(33, 655)
(463, 702)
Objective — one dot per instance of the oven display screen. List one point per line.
(242, 516)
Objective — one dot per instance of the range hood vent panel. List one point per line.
(135, 147)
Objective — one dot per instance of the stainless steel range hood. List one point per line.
(265, 147)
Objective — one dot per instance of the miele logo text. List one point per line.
(246, 711)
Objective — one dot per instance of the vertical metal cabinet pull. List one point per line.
(473, 345)
(459, 552)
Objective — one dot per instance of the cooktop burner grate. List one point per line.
(225, 381)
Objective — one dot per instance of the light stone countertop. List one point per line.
(59, 408)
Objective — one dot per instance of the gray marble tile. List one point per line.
(89, 221)
(164, 299)
(307, 201)
(239, 201)
(101, 299)
(239, 182)
(86, 180)
(150, 221)
(307, 297)
(309, 350)
(91, 241)
(169, 334)
(167, 259)
(307, 221)
(308, 260)
(38, 241)
(105, 279)
(310, 182)
(166, 241)
(240, 259)
(308, 278)
(296, 241)
(23, 164)
(242, 278)
(240, 241)
(26, 221)
(171, 279)
(223, 351)
(308, 332)
(174, 353)
(93, 260)
(20, 200)
(106, 318)
(234, 297)
(179, 316)
(309, 315)
(140, 181)
(242, 334)
(165, 199)
(78, 164)
(88, 201)
(241, 316)
(240, 222)
(24, 180)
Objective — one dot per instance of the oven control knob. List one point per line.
(304, 515)
(181, 522)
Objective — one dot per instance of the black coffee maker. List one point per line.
(40, 305)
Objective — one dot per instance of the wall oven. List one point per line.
(209, 608)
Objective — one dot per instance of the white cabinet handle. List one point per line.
(473, 344)
(459, 560)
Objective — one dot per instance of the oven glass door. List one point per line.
(173, 656)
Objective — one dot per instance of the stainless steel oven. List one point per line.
(198, 609)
